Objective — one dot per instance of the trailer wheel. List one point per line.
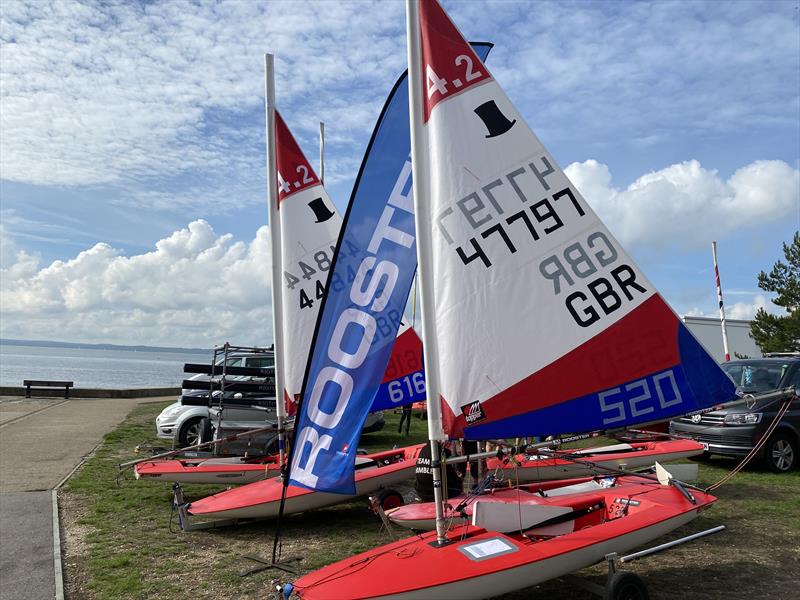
(389, 498)
(624, 585)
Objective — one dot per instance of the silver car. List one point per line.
(182, 424)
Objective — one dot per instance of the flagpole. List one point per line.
(275, 237)
(721, 306)
(321, 153)
(419, 161)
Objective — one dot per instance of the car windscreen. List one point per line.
(758, 377)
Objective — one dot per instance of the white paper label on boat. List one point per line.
(310, 227)
(487, 549)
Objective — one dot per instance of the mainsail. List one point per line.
(310, 226)
(366, 295)
(571, 334)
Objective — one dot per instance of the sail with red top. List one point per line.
(542, 323)
(310, 226)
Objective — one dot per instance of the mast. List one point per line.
(419, 161)
(721, 306)
(322, 153)
(275, 238)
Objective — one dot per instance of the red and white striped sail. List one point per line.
(541, 321)
(310, 226)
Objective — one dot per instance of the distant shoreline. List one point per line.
(53, 344)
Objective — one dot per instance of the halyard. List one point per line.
(121, 542)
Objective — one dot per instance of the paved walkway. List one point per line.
(26, 546)
(41, 441)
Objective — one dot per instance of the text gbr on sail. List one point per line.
(353, 336)
(586, 260)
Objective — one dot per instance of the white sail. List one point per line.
(310, 227)
(534, 301)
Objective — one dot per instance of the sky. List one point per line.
(132, 170)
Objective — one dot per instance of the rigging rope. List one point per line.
(756, 449)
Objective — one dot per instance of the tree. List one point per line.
(781, 333)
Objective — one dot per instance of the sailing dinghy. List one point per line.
(508, 546)
(227, 469)
(589, 461)
(262, 499)
(421, 516)
(574, 338)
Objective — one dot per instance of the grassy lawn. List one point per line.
(119, 543)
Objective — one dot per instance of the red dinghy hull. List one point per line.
(421, 516)
(261, 499)
(620, 456)
(479, 563)
(209, 470)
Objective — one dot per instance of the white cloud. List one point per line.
(741, 310)
(108, 93)
(196, 288)
(686, 205)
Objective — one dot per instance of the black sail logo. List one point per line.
(493, 118)
(320, 209)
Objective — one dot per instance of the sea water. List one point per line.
(94, 368)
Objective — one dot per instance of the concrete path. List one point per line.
(26, 546)
(41, 442)
(41, 448)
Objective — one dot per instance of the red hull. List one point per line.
(225, 470)
(455, 571)
(626, 456)
(261, 499)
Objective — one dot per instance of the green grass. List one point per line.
(120, 546)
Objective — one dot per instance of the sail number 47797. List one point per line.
(632, 401)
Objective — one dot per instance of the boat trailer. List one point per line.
(626, 584)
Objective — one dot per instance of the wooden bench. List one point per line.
(41, 384)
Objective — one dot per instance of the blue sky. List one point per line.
(132, 177)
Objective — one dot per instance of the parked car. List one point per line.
(736, 431)
(183, 425)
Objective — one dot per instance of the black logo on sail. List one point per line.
(473, 412)
(321, 211)
(494, 119)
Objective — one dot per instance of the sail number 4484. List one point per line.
(652, 394)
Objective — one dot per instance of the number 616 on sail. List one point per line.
(654, 393)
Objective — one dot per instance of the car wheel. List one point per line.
(189, 435)
(780, 453)
(206, 432)
(624, 585)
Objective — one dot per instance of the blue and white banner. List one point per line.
(366, 294)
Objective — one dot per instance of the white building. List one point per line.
(709, 333)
